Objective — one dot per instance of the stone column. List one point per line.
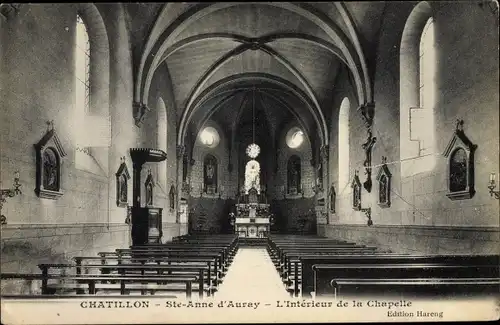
(180, 149)
(324, 155)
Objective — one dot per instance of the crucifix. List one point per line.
(367, 146)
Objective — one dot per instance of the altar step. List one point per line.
(249, 241)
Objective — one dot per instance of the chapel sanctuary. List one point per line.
(322, 149)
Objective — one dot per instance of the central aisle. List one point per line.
(252, 275)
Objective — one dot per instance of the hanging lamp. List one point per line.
(253, 149)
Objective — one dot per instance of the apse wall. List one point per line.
(421, 217)
(289, 209)
(38, 84)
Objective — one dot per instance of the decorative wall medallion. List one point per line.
(356, 192)
(149, 184)
(333, 197)
(460, 153)
(384, 185)
(122, 177)
(49, 154)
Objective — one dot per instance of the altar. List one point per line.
(252, 219)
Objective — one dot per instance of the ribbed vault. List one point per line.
(215, 51)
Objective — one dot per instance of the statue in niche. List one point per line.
(319, 180)
(384, 185)
(149, 189)
(123, 188)
(333, 197)
(122, 177)
(171, 196)
(383, 189)
(210, 174)
(356, 192)
(294, 175)
(50, 164)
(458, 170)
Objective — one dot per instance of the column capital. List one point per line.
(139, 110)
(367, 113)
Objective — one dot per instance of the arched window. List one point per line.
(343, 143)
(294, 175)
(417, 92)
(161, 141)
(210, 174)
(82, 80)
(92, 125)
(252, 175)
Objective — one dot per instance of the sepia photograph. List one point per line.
(249, 162)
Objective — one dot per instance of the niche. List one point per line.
(384, 185)
(149, 185)
(171, 198)
(49, 154)
(356, 192)
(333, 197)
(122, 177)
(460, 165)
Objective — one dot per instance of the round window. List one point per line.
(294, 137)
(209, 137)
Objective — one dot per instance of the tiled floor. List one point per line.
(252, 275)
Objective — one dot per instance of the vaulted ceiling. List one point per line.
(216, 53)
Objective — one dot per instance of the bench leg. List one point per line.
(189, 289)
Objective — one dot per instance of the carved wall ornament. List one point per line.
(356, 192)
(367, 147)
(367, 113)
(460, 172)
(122, 177)
(49, 155)
(140, 111)
(149, 184)
(333, 197)
(384, 184)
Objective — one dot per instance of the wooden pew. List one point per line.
(318, 272)
(225, 256)
(413, 287)
(211, 277)
(125, 269)
(179, 254)
(92, 283)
